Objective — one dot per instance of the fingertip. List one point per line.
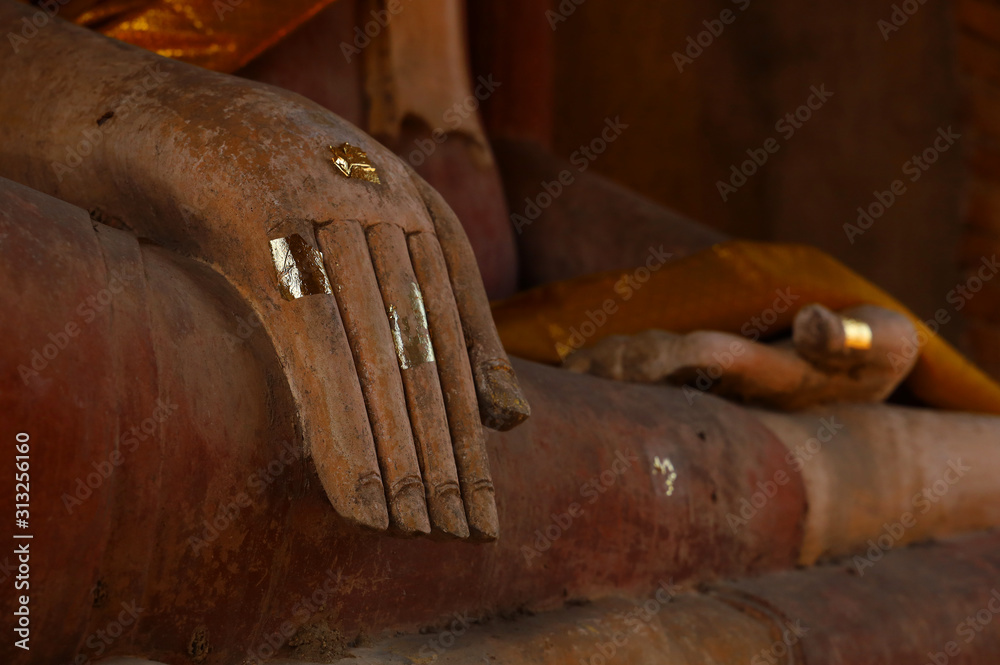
(408, 509)
(502, 404)
(448, 512)
(484, 524)
(370, 509)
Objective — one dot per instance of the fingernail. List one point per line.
(369, 509)
(502, 405)
(482, 510)
(447, 511)
(408, 508)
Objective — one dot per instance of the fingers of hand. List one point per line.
(405, 307)
(457, 386)
(356, 287)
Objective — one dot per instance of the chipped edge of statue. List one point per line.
(666, 467)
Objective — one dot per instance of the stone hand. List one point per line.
(360, 275)
(858, 355)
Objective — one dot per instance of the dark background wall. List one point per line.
(686, 129)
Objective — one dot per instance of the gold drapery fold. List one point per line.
(222, 35)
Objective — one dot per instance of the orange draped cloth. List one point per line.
(222, 35)
(738, 287)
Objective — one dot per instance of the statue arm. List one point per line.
(360, 276)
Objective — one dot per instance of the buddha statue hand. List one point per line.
(857, 355)
(360, 275)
